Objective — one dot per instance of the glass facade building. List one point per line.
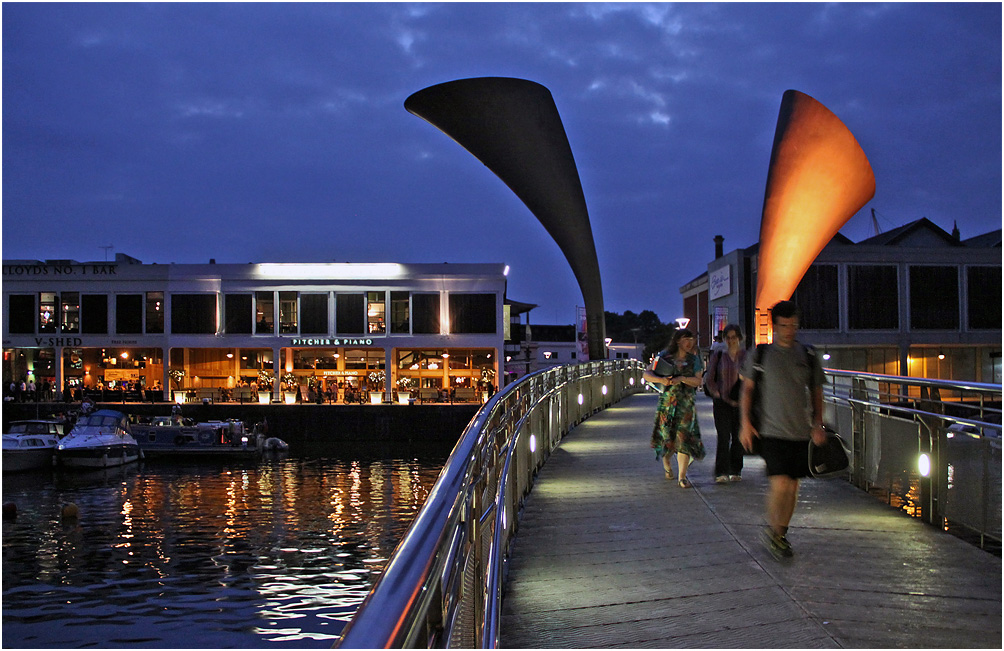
(380, 331)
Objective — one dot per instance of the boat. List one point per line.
(101, 439)
(170, 437)
(29, 444)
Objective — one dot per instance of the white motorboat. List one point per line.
(29, 444)
(99, 440)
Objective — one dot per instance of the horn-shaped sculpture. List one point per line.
(513, 127)
(818, 179)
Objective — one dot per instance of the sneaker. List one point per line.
(777, 545)
(735, 478)
(722, 479)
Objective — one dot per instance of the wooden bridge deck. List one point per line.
(611, 554)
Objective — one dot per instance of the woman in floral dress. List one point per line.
(679, 371)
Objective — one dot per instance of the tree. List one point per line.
(644, 328)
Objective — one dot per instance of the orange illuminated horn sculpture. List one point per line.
(818, 179)
(513, 127)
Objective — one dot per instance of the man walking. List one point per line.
(790, 412)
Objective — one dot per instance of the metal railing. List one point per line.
(932, 446)
(443, 584)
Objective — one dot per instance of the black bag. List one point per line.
(830, 459)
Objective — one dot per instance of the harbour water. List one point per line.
(273, 553)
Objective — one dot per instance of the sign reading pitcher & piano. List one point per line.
(336, 341)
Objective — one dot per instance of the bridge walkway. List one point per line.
(611, 554)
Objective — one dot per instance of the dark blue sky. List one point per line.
(276, 132)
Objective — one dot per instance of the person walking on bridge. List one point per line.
(722, 382)
(678, 369)
(789, 412)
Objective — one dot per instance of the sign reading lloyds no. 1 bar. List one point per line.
(338, 341)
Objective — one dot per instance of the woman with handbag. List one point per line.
(722, 383)
(678, 369)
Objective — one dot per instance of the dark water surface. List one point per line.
(270, 553)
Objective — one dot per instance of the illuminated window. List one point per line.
(47, 315)
(264, 313)
(376, 313)
(69, 312)
(154, 312)
(288, 313)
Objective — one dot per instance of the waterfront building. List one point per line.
(915, 301)
(531, 348)
(202, 331)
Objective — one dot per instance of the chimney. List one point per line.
(719, 240)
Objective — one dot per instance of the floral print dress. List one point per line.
(676, 427)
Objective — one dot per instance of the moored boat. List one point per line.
(101, 439)
(167, 437)
(29, 444)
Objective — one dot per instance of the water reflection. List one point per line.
(202, 556)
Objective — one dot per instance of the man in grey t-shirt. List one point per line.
(791, 412)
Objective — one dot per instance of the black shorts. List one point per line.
(784, 457)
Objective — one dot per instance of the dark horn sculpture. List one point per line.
(513, 127)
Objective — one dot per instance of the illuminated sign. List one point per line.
(331, 342)
(720, 283)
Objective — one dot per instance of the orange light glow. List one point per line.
(818, 179)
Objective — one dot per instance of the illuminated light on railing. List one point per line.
(533, 443)
(604, 390)
(631, 381)
(924, 465)
(581, 399)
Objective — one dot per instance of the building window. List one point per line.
(193, 314)
(350, 314)
(128, 313)
(69, 311)
(237, 311)
(21, 314)
(94, 314)
(47, 315)
(818, 298)
(264, 313)
(314, 314)
(400, 321)
(472, 313)
(872, 297)
(154, 313)
(934, 298)
(425, 314)
(983, 297)
(376, 313)
(288, 313)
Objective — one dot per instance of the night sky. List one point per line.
(277, 132)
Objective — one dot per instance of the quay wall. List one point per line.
(376, 429)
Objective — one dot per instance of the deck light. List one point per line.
(603, 390)
(924, 465)
(631, 381)
(580, 399)
(533, 443)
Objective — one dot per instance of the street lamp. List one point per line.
(682, 322)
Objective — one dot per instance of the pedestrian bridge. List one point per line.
(605, 552)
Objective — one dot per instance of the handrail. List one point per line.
(906, 445)
(442, 586)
